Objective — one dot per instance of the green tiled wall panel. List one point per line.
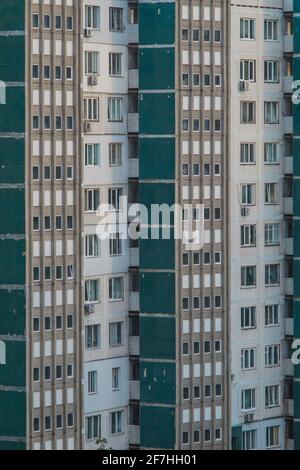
(158, 382)
(157, 254)
(296, 154)
(12, 169)
(11, 375)
(12, 255)
(12, 16)
(296, 30)
(296, 278)
(12, 64)
(157, 158)
(158, 427)
(8, 445)
(13, 414)
(12, 210)
(157, 193)
(158, 338)
(157, 291)
(12, 113)
(157, 113)
(297, 435)
(12, 314)
(236, 437)
(157, 23)
(157, 69)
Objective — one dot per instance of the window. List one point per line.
(272, 234)
(271, 112)
(115, 154)
(115, 64)
(115, 109)
(248, 194)
(249, 439)
(116, 334)
(247, 112)
(248, 235)
(270, 193)
(116, 19)
(92, 154)
(91, 109)
(116, 378)
(271, 30)
(272, 355)
(248, 358)
(93, 427)
(92, 246)
(247, 155)
(91, 63)
(248, 70)
(116, 288)
(247, 28)
(92, 17)
(92, 200)
(272, 396)
(92, 337)
(92, 290)
(116, 422)
(114, 198)
(115, 244)
(92, 382)
(272, 315)
(248, 399)
(248, 276)
(248, 317)
(271, 71)
(271, 153)
(272, 274)
(272, 436)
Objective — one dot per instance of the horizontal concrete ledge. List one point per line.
(12, 338)
(11, 287)
(12, 33)
(4, 388)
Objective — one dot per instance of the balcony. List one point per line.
(288, 165)
(288, 205)
(288, 44)
(289, 407)
(134, 168)
(288, 368)
(134, 390)
(289, 286)
(288, 5)
(134, 345)
(133, 33)
(133, 123)
(288, 125)
(133, 79)
(134, 301)
(289, 326)
(134, 257)
(288, 84)
(288, 246)
(289, 444)
(134, 434)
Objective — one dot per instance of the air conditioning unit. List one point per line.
(244, 85)
(245, 211)
(87, 127)
(249, 418)
(87, 33)
(89, 309)
(93, 80)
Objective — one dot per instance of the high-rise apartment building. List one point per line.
(148, 342)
